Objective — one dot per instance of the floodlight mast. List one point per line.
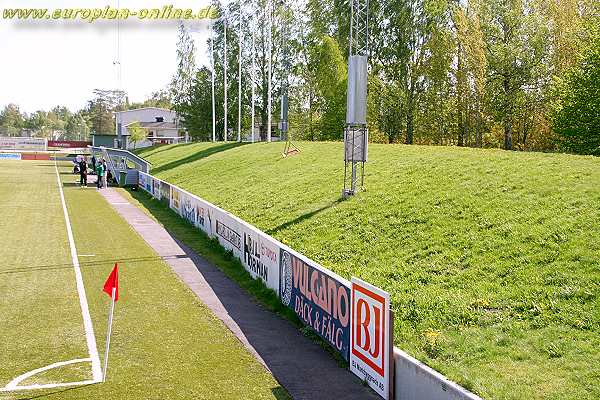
(225, 77)
(356, 135)
(239, 124)
(270, 67)
(283, 122)
(253, 77)
(212, 64)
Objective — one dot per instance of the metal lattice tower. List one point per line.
(356, 135)
(359, 28)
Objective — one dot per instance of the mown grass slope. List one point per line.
(491, 257)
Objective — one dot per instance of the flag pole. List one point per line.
(110, 319)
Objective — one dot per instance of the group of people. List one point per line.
(99, 168)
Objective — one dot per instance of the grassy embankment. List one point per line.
(491, 257)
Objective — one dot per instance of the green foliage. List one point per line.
(494, 281)
(11, 120)
(331, 85)
(136, 133)
(99, 110)
(186, 67)
(160, 99)
(196, 112)
(577, 112)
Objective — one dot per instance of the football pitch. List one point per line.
(53, 263)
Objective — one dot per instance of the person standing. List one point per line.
(94, 163)
(83, 172)
(100, 175)
(105, 176)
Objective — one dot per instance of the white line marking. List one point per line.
(14, 384)
(87, 321)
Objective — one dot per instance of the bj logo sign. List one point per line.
(370, 336)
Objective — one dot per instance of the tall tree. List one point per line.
(11, 120)
(515, 37)
(196, 112)
(331, 86)
(99, 110)
(577, 112)
(182, 81)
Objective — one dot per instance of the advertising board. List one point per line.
(68, 144)
(10, 156)
(370, 343)
(227, 231)
(260, 256)
(320, 298)
(175, 202)
(23, 143)
(165, 193)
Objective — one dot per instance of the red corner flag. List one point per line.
(113, 282)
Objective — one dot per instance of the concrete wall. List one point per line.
(414, 380)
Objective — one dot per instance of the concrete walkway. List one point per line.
(302, 367)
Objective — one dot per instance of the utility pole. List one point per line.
(212, 58)
(225, 76)
(252, 76)
(283, 122)
(239, 126)
(270, 55)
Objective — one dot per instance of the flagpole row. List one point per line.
(110, 319)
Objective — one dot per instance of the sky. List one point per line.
(49, 63)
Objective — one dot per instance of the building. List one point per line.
(161, 126)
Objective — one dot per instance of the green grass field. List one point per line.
(491, 257)
(165, 343)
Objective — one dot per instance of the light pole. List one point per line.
(239, 126)
(252, 76)
(225, 76)
(212, 58)
(270, 47)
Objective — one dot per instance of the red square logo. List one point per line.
(369, 327)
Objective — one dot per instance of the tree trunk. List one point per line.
(508, 133)
(460, 97)
(410, 120)
(409, 127)
(478, 135)
(508, 145)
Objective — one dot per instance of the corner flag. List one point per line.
(113, 282)
(111, 287)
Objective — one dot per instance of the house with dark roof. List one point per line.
(161, 125)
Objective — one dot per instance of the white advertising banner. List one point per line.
(175, 202)
(145, 182)
(370, 349)
(205, 218)
(187, 208)
(227, 230)
(10, 156)
(260, 256)
(156, 188)
(20, 143)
